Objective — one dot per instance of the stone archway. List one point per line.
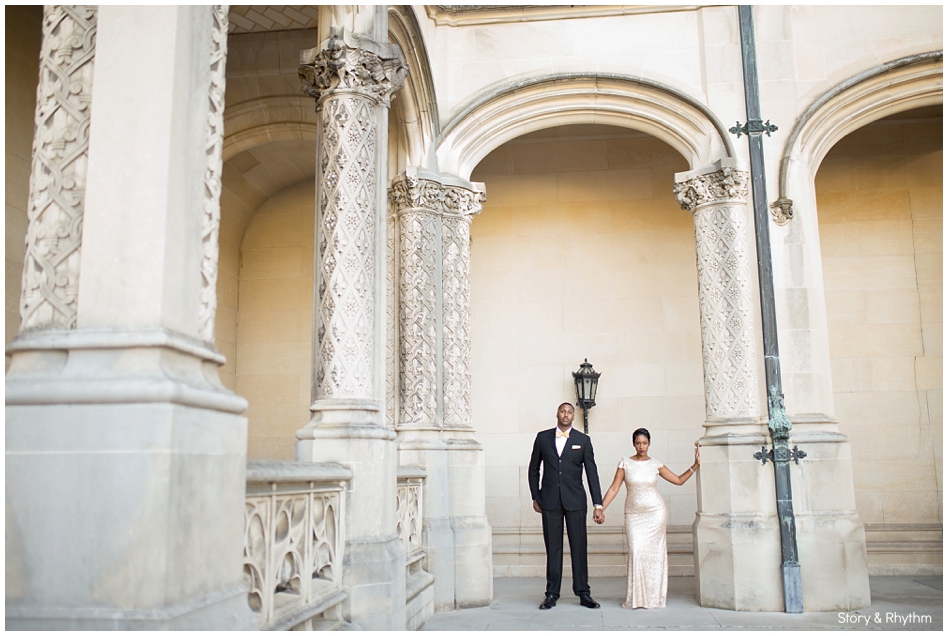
(583, 251)
(662, 111)
(896, 86)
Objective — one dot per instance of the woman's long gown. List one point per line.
(645, 520)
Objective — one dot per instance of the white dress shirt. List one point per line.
(561, 441)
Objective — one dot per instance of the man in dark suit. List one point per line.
(564, 453)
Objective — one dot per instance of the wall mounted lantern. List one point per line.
(587, 381)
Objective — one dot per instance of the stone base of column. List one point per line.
(737, 531)
(124, 516)
(348, 432)
(425, 448)
(473, 554)
(830, 537)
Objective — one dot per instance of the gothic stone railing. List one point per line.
(409, 513)
(293, 543)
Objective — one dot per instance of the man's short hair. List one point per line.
(564, 404)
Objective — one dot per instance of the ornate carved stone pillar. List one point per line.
(432, 214)
(736, 529)
(352, 79)
(125, 512)
(718, 201)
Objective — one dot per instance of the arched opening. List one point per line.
(879, 195)
(583, 252)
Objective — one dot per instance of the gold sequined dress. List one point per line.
(645, 520)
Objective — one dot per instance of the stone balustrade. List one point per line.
(293, 543)
(419, 592)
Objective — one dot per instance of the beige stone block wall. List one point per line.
(270, 329)
(880, 213)
(23, 37)
(582, 252)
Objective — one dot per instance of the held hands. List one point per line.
(599, 516)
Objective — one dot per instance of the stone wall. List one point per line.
(274, 321)
(582, 251)
(23, 34)
(880, 217)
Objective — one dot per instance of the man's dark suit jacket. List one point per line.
(563, 476)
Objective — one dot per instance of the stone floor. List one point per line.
(515, 608)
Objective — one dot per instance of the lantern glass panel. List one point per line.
(593, 385)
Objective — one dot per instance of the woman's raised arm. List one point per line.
(679, 480)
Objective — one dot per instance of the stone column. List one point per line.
(736, 530)
(125, 456)
(352, 78)
(432, 214)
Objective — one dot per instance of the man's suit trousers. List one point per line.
(553, 539)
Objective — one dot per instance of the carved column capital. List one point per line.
(412, 191)
(352, 64)
(726, 184)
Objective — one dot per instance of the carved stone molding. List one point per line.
(214, 142)
(718, 202)
(347, 63)
(60, 156)
(392, 270)
(434, 220)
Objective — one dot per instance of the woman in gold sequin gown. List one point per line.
(645, 520)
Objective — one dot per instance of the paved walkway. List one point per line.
(894, 599)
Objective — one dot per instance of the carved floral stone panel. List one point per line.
(58, 177)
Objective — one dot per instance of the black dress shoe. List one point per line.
(587, 601)
(548, 602)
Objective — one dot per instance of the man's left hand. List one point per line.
(599, 516)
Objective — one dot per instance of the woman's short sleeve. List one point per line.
(660, 464)
(621, 464)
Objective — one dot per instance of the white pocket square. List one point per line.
(576, 446)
